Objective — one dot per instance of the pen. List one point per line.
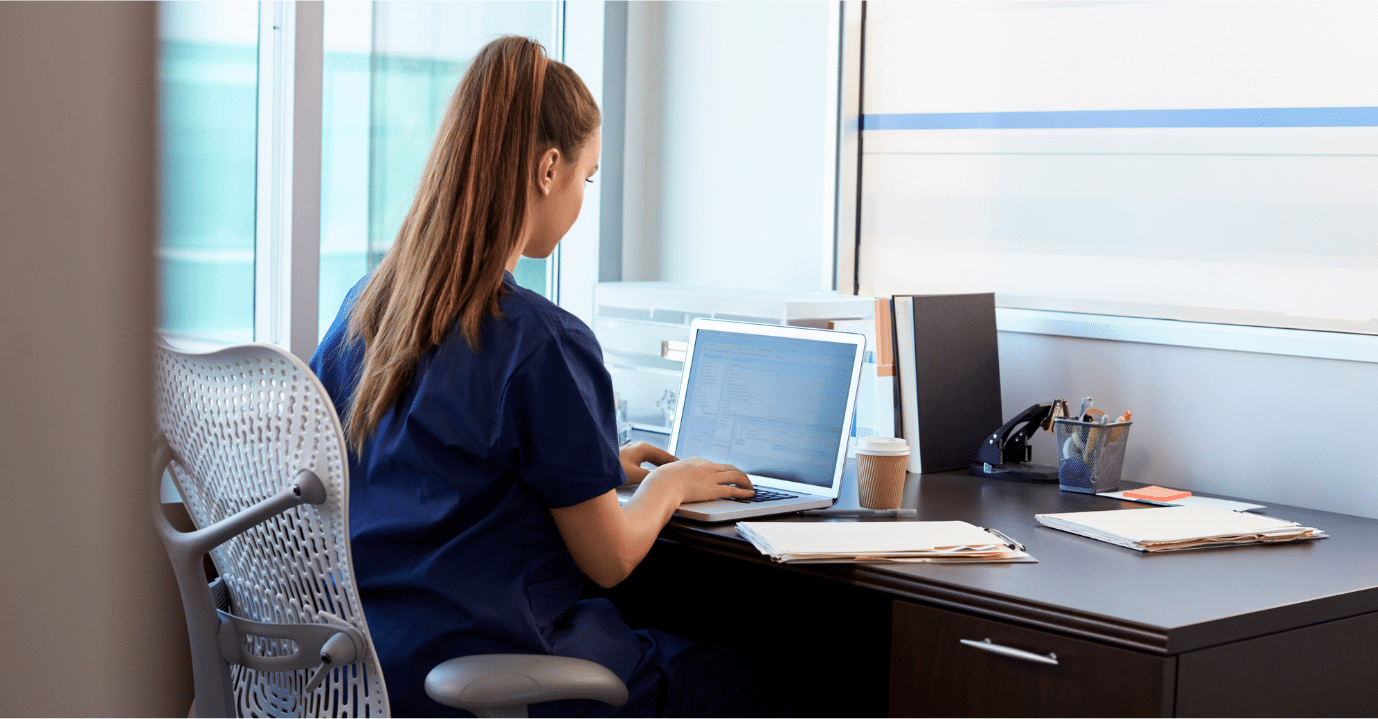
(860, 512)
(1009, 541)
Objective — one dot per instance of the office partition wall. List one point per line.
(1203, 161)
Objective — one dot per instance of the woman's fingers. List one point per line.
(739, 478)
(653, 454)
(633, 454)
(732, 479)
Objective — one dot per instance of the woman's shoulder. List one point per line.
(529, 325)
(537, 319)
(532, 335)
(335, 350)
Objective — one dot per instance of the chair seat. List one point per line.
(489, 682)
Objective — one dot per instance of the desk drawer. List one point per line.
(934, 672)
(1327, 669)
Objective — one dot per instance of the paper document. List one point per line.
(1162, 529)
(942, 542)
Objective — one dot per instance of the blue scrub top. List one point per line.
(455, 551)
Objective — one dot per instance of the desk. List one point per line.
(1283, 630)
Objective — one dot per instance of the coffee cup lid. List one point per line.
(883, 446)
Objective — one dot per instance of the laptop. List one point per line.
(777, 403)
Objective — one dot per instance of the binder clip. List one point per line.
(1006, 453)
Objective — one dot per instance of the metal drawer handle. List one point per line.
(986, 645)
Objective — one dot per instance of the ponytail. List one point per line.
(467, 217)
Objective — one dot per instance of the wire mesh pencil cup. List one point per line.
(1090, 455)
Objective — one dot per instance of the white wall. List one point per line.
(92, 625)
(730, 135)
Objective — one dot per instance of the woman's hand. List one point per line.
(696, 480)
(635, 453)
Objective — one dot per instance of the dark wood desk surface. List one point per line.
(1161, 603)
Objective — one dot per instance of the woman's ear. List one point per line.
(545, 171)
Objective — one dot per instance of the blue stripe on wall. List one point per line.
(1244, 117)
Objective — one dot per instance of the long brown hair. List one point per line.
(467, 218)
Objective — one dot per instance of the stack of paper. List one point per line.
(819, 542)
(1164, 529)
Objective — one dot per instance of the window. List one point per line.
(1212, 162)
(208, 86)
(387, 70)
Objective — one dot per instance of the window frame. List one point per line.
(287, 238)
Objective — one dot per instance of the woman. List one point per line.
(480, 419)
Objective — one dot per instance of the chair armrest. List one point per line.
(498, 684)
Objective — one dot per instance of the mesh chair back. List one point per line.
(241, 423)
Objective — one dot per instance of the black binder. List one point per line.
(953, 383)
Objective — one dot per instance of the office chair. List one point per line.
(252, 442)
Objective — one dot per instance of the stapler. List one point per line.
(1006, 453)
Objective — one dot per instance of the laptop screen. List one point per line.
(771, 406)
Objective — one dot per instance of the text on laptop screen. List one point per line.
(771, 406)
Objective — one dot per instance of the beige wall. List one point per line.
(91, 623)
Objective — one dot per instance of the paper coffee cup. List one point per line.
(881, 463)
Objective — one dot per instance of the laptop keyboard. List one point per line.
(763, 495)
